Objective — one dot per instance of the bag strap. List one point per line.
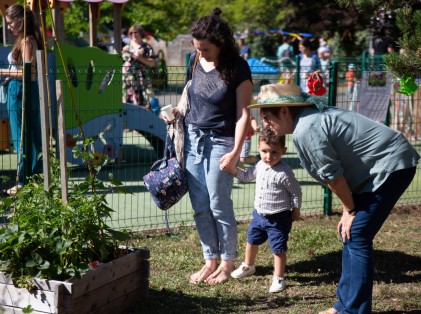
(196, 58)
(192, 66)
(169, 151)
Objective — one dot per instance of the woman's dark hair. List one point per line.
(213, 28)
(306, 43)
(18, 12)
(270, 138)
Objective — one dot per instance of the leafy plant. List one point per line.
(48, 239)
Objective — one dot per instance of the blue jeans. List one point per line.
(355, 287)
(210, 192)
(14, 108)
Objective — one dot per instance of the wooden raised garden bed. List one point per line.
(110, 288)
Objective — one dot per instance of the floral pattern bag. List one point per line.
(166, 182)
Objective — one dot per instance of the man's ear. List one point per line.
(282, 111)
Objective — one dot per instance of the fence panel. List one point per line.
(132, 137)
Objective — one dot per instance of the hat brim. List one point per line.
(290, 104)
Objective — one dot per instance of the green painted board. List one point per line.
(88, 70)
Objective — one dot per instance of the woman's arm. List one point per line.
(243, 95)
(28, 51)
(145, 61)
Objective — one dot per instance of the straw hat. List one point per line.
(281, 95)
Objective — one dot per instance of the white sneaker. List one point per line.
(243, 271)
(278, 284)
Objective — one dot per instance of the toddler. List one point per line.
(277, 193)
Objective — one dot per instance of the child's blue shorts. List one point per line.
(275, 228)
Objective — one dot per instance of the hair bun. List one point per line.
(216, 12)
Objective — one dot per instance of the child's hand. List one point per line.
(296, 214)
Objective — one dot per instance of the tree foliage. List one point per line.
(166, 19)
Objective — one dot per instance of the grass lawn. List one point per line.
(313, 270)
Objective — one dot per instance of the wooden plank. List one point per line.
(105, 273)
(51, 285)
(45, 121)
(42, 301)
(62, 142)
(4, 279)
(112, 285)
(4, 309)
(125, 304)
(104, 295)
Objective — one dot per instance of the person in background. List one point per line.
(366, 164)
(350, 80)
(137, 56)
(23, 51)
(309, 63)
(324, 57)
(215, 127)
(285, 50)
(125, 39)
(244, 49)
(277, 202)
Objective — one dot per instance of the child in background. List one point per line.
(277, 192)
(350, 80)
(245, 151)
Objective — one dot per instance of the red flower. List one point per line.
(315, 85)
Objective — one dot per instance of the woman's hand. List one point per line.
(175, 113)
(344, 225)
(228, 161)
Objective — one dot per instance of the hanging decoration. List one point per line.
(408, 86)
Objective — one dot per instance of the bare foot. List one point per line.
(222, 274)
(201, 275)
(12, 191)
(330, 311)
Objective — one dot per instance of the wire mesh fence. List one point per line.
(132, 136)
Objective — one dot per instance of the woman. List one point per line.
(309, 63)
(215, 128)
(23, 50)
(366, 164)
(137, 56)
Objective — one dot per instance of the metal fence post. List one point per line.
(27, 127)
(333, 88)
(297, 70)
(188, 59)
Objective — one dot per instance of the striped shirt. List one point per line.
(277, 189)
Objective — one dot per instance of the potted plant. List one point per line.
(60, 257)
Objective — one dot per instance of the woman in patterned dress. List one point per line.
(137, 56)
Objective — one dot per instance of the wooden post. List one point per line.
(45, 123)
(4, 4)
(58, 18)
(93, 23)
(27, 125)
(62, 141)
(117, 26)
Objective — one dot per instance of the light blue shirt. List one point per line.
(339, 142)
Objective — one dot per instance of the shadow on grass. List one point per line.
(322, 270)
(174, 302)
(400, 312)
(396, 267)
